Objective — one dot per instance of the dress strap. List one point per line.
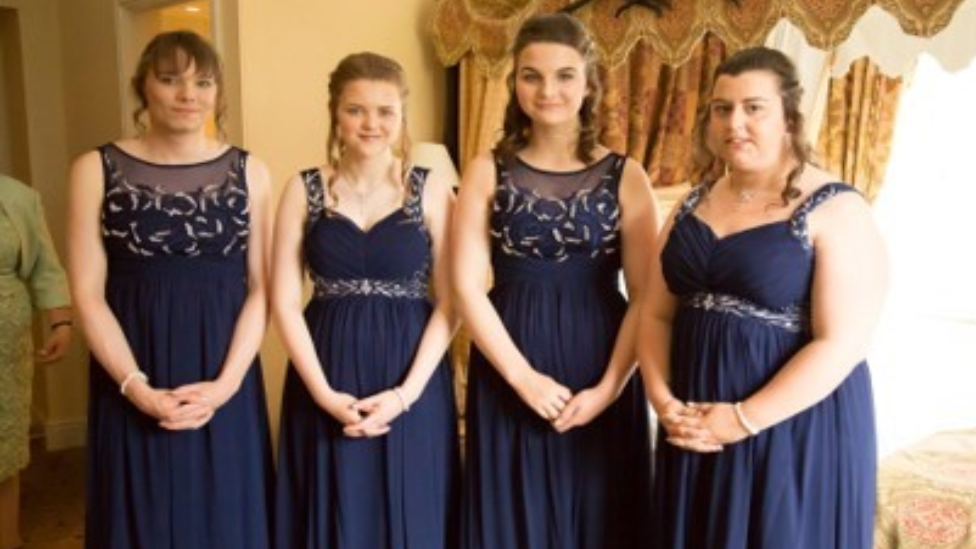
(315, 194)
(798, 221)
(414, 203)
(690, 202)
(615, 173)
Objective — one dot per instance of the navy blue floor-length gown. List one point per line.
(175, 238)
(367, 316)
(805, 483)
(556, 259)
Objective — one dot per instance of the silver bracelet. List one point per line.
(134, 374)
(743, 420)
(403, 400)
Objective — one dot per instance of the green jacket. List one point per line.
(39, 266)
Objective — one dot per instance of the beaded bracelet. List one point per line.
(60, 323)
(134, 374)
(403, 400)
(743, 420)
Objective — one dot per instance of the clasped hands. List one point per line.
(184, 408)
(701, 427)
(556, 403)
(365, 418)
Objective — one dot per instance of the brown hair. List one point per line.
(556, 28)
(178, 50)
(778, 64)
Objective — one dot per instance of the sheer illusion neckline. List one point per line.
(526, 164)
(557, 186)
(217, 158)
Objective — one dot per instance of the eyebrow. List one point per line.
(755, 99)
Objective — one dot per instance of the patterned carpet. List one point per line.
(52, 494)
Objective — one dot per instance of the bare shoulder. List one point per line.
(634, 174)
(87, 168)
(479, 175)
(258, 175)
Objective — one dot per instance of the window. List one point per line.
(924, 353)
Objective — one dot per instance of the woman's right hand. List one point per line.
(543, 394)
(341, 406)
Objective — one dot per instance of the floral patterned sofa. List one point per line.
(927, 494)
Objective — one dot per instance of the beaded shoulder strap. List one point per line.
(798, 221)
(690, 202)
(414, 203)
(315, 194)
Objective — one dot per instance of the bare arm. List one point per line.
(639, 227)
(657, 309)
(470, 267)
(384, 407)
(287, 282)
(87, 272)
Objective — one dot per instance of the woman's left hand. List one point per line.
(56, 345)
(378, 412)
(582, 408)
(721, 421)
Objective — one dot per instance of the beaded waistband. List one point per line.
(793, 318)
(412, 288)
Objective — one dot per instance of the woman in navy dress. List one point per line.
(557, 439)
(368, 454)
(169, 237)
(764, 291)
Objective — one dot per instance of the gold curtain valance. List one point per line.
(486, 27)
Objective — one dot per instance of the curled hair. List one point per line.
(176, 51)
(779, 65)
(372, 67)
(564, 29)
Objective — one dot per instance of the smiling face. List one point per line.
(550, 83)
(369, 116)
(747, 127)
(177, 100)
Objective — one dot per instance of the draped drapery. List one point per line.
(858, 126)
(649, 107)
(484, 28)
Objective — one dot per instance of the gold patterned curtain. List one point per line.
(484, 28)
(649, 107)
(858, 126)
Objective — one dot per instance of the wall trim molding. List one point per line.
(61, 435)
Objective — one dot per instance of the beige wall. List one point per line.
(286, 49)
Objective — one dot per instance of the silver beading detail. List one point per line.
(793, 318)
(413, 288)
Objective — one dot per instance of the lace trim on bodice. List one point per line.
(415, 287)
(797, 221)
(585, 223)
(148, 220)
(792, 318)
